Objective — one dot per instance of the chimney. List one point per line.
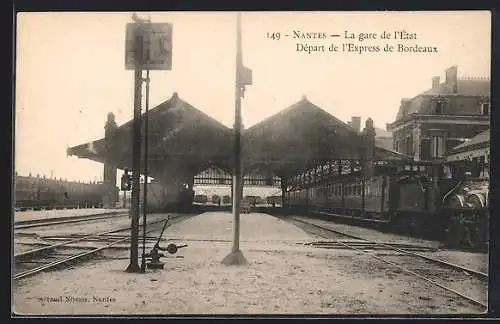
(405, 106)
(356, 123)
(435, 83)
(451, 80)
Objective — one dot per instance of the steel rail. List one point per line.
(401, 267)
(480, 274)
(419, 276)
(55, 219)
(376, 221)
(79, 220)
(50, 247)
(366, 245)
(36, 270)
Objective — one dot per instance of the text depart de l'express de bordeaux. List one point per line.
(353, 45)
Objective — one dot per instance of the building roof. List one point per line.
(177, 132)
(289, 141)
(480, 140)
(465, 87)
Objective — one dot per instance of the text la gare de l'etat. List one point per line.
(399, 41)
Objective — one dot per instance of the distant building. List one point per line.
(437, 120)
(383, 138)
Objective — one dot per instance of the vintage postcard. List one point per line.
(251, 163)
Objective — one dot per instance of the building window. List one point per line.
(396, 145)
(437, 146)
(485, 109)
(438, 109)
(409, 145)
(425, 149)
(482, 162)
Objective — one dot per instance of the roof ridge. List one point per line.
(279, 113)
(292, 107)
(213, 120)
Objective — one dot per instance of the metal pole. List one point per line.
(237, 174)
(236, 257)
(145, 199)
(136, 154)
(237, 143)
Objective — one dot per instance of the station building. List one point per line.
(300, 145)
(442, 118)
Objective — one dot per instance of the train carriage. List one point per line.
(405, 197)
(39, 192)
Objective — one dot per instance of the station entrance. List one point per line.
(213, 186)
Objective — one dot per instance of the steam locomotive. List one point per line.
(415, 198)
(168, 197)
(41, 192)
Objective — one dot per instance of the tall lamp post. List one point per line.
(243, 78)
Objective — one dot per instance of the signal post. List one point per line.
(148, 45)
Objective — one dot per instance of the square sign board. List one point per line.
(158, 38)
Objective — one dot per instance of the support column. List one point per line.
(416, 141)
(283, 192)
(307, 185)
(437, 167)
(369, 149)
(109, 198)
(323, 185)
(368, 157)
(191, 188)
(314, 186)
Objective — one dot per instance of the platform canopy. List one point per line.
(285, 143)
(179, 134)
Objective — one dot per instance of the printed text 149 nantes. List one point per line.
(399, 41)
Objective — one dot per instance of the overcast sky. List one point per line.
(70, 71)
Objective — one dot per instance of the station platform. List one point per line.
(281, 276)
(32, 215)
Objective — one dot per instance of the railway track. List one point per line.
(65, 220)
(45, 259)
(362, 244)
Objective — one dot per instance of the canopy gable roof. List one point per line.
(179, 134)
